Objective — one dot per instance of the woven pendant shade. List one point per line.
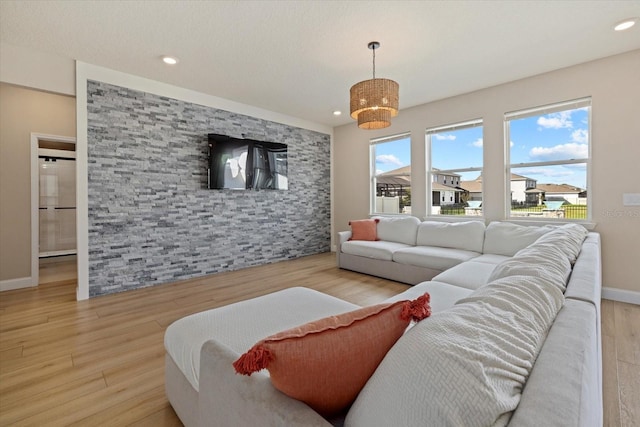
(374, 119)
(374, 101)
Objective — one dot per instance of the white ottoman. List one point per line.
(238, 326)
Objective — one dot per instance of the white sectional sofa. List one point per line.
(514, 338)
(411, 251)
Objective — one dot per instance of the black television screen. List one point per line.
(244, 164)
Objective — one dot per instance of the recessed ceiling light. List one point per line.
(169, 60)
(337, 113)
(626, 24)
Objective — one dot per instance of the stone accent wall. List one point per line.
(152, 219)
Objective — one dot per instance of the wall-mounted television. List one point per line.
(246, 164)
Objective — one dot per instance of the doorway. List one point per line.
(53, 202)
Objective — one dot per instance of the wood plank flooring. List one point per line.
(101, 362)
(621, 363)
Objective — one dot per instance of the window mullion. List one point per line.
(549, 163)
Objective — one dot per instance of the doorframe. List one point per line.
(35, 199)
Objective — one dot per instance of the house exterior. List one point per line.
(397, 183)
(523, 189)
(393, 191)
(446, 178)
(563, 192)
(446, 194)
(520, 190)
(445, 188)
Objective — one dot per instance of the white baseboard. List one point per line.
(11, 284)
(621, 295)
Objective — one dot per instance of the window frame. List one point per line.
(429, 132)
(373, 190)
(539, 111)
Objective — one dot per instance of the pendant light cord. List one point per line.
(374, 62)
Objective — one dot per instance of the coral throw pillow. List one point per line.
(327, 362)
(364, 229)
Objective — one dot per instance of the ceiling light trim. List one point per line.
(626, 24)
(169, 60)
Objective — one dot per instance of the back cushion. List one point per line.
(504, 238)
(548, 263)
(458, 235)
(464, 366)
(567, 238)
(400, 229)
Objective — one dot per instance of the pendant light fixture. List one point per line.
(374, 101)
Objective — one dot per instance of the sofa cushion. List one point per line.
(364, 229)
(443, 295)
(379, 250)
(463, 366)
(567, 238)
(491, 258)
(432, 257)
(326, 363)
(467, 235)
(549, 257)
(563, 387)
(469, 274)
(547, 263)
(504, 238)
(401, 229)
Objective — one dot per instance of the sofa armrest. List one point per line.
(343, 236)
(226, 398)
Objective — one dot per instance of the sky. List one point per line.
(556, 136)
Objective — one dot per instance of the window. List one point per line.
(391, 175)
(455, 158)
(549, 150)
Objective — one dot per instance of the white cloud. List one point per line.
(389, 159)
(447, 137)
(580, 135)
(511, 144)
(480, 143)
(556, 120)
(571, 150)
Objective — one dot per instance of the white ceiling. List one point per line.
(301, 57)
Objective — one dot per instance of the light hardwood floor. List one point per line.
(101, 361)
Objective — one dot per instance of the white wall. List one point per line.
(23, 111)
(614, 85)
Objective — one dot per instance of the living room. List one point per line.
(333, 162)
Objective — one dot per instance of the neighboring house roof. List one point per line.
(400, 177)
(559, 189)
(399, 180)
(437, 172)
(404, 170)
(514, 177)
(436, 186)
(474, 186)
(534, 191)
